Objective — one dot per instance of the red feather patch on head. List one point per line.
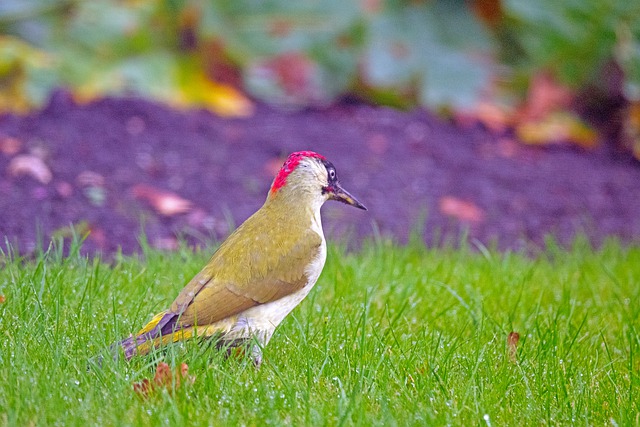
(289, 165)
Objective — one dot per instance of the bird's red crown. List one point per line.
(289, 165)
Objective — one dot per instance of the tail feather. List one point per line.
(152, 323)
(138, 343)
(161, 330)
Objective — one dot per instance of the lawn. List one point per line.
(391, 335)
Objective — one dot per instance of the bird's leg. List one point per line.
(256, 354)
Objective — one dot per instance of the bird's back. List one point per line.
(264, 260)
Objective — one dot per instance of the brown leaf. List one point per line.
(164, 378)
(2, 299)
(143, 388)
(220, 65)
(28, 164)
(10, 145)
(164, 202)
(463, 210)
(489, 11)
(512, 345)
(184, 373)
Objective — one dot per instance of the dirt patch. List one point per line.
(409, 168)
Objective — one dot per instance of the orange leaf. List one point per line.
(545, 95)
(463, 210)
(163, 376)
(164, 202)
(557, 128)
(2, 299)
(184, 373)
(34, 166)
(221, 99)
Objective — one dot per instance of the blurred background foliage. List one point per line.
(506, 63)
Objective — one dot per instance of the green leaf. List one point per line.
(433, 43)
(269, 28)
(573, 38)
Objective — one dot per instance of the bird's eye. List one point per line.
(332, 174)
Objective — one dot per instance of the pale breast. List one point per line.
(266, 317)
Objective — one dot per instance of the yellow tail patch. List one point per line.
(152, 323)
(180, 335)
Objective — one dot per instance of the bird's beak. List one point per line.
(336, 192)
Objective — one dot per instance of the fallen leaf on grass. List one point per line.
(557, 128)
(164, 378)
(33, 166)
(461, 209)
(2, 299)
(164, 202)
(512, 345)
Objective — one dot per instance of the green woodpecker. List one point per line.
(261, 272)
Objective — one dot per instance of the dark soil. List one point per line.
(411, 169)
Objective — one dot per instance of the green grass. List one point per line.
(390, 336)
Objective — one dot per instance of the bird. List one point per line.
(260, 273)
